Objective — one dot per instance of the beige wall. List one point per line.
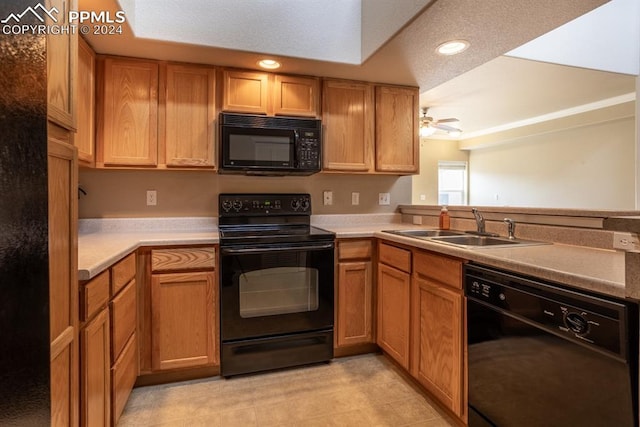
(432, 151)
(121, 193)
(586, 167)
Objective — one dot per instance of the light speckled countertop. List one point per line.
(104, 242)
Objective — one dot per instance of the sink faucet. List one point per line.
(479, 220)
(511, 228)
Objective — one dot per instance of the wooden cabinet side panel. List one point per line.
(394, 313)
(437, 342)
(63, 282)
(86, 104)
(348, 121)
(95, 373)
(397, 142)
(130, 113)
(183, 338)
(190, 116)
(354, 303)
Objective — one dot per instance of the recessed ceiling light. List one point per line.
(452, 47)
(269, 64)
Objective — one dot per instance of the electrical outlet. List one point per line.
(384, 198)
(626, 241)
(327, 198)
(152, 197)
(355, 198)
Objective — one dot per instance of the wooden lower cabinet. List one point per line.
(394, 287)
(354, 293)
(438, 341)
(123, 376)
(182, 318)
(95, 398)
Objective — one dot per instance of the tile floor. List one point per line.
(362, 390)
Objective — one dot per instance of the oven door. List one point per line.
(268, 290)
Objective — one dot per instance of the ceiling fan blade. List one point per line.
(449, 120)
(447, 128)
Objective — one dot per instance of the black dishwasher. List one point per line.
(540, 354)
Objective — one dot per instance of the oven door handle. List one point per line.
(246, 251)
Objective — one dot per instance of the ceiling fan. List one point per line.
(428, 126)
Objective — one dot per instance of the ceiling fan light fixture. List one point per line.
(426, 130)
(269, 64)
(452, 47)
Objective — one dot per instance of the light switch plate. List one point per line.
(355, 198)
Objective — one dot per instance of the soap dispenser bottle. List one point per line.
(445, 220)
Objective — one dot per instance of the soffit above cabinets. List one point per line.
(402, 53)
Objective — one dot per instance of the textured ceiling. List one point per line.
(494, 27)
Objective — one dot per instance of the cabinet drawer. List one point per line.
(356, 249)
(445, 270)
(123, 376)
(396, 257)
(94, 295)
(123, 318)
(183, 259)
(122, 273)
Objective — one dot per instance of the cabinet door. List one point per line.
(95, 382)
(61, 66)
(190, 116)
(183, 337)
(63, 283)
(129, 132)
(295, 96)
(393, 313)
(245, 92)
(347, 116)
(354, 303)
(86, 98)
(397, 143)
(437, 342)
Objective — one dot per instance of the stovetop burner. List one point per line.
(267, 218)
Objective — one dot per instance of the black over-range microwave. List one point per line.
(261, 145)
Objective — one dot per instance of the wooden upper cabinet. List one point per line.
(348, 121)
(256, 92)
(245, 92)
(129, 134)
(295, 96)
(190, 116)
(61, 67)
(397, 143)
(86, 103)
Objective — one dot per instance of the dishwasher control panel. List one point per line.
(587, 319)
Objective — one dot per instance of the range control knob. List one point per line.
(305, 204)
(226, 205)
(237, 205)
(295, 204)
(577, 323)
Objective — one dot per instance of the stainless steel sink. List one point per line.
(463, 239)
(425, 233)
(472, 241)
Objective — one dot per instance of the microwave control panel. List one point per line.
(308, 149)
